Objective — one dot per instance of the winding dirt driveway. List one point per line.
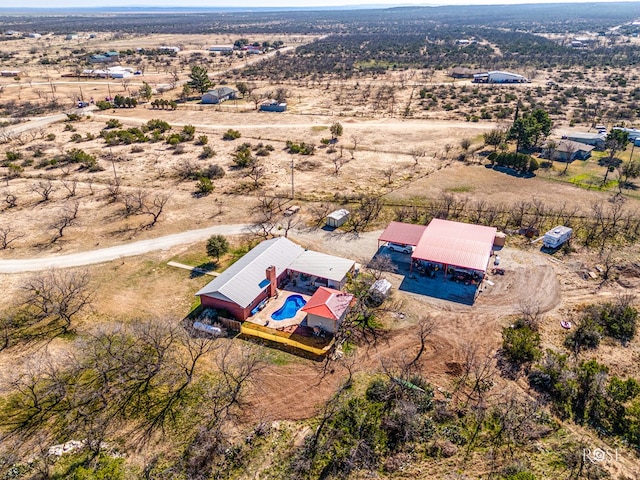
(118, 251)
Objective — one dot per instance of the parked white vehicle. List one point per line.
(397, 247)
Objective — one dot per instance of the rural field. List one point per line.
(123, 193)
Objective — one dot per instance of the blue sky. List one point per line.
(266, 3)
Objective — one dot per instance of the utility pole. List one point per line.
(292, 188)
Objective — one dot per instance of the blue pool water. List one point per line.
(292, 304)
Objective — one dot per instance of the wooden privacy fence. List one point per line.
(284, 340)
(234, 325)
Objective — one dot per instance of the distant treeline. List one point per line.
(417, 20)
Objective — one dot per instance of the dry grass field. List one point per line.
(374, 156)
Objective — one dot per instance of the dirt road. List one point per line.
(119, 251)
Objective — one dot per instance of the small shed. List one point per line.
(337, 218)
(380, 289)
(557, 236)
(500, 239)
(273, 106)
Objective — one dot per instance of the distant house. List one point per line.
(463, 72)
(33, 35)
(219, 95)
(568, 151)
(595, 139)
(634, 133)
(327, 308)
(257, 276)
(252, 49)
(110, 72)
(221, 48)
(10, 73)
(273, 106)
(499, 77)
(98, 58)
(71, 36)
(168, 49)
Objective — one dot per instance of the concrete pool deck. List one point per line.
(263, 317)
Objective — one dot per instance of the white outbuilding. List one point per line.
(337, 218)
(499, 77)
(557, 236)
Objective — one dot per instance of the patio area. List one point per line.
(291, 331)
(263, 317)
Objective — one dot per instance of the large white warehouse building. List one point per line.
(499, 77)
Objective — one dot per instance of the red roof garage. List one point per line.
(402, 233)
(456, 244)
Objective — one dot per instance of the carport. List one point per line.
(455, 244)
(402, 234)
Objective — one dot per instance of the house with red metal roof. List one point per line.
(327, 308)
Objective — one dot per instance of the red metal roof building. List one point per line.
(327, 308)
(402, 233)
(456, 244)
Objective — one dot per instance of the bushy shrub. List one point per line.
(12, 155)
(520, 344)
(157, 125)
(103, 105)
(587, 334)
(213, 172)
(301, 148)
(517, 161)
(207, 152)
(204, 186)
(242, 156)
(231, 134)
(113, 123)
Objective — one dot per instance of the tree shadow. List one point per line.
(609, 162)
(202, 269)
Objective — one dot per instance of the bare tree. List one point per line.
(7, 236)
(66, 219)
(44, 188)
(367, 211)
(70, 186)
(290, 222)
(256, 173)
(476, 379)
(11, 200)
(58, 295)
(254, 97)
(417, 153)
(426, 326)
(531, 314)
(389, 173)
(447, 148)
(113, 190)
(319, 213)
(355, 139)
(155, 207)
(338, 162)
(133, 202)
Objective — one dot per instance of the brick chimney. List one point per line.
(273, 281)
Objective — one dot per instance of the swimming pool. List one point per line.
(292, 304)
